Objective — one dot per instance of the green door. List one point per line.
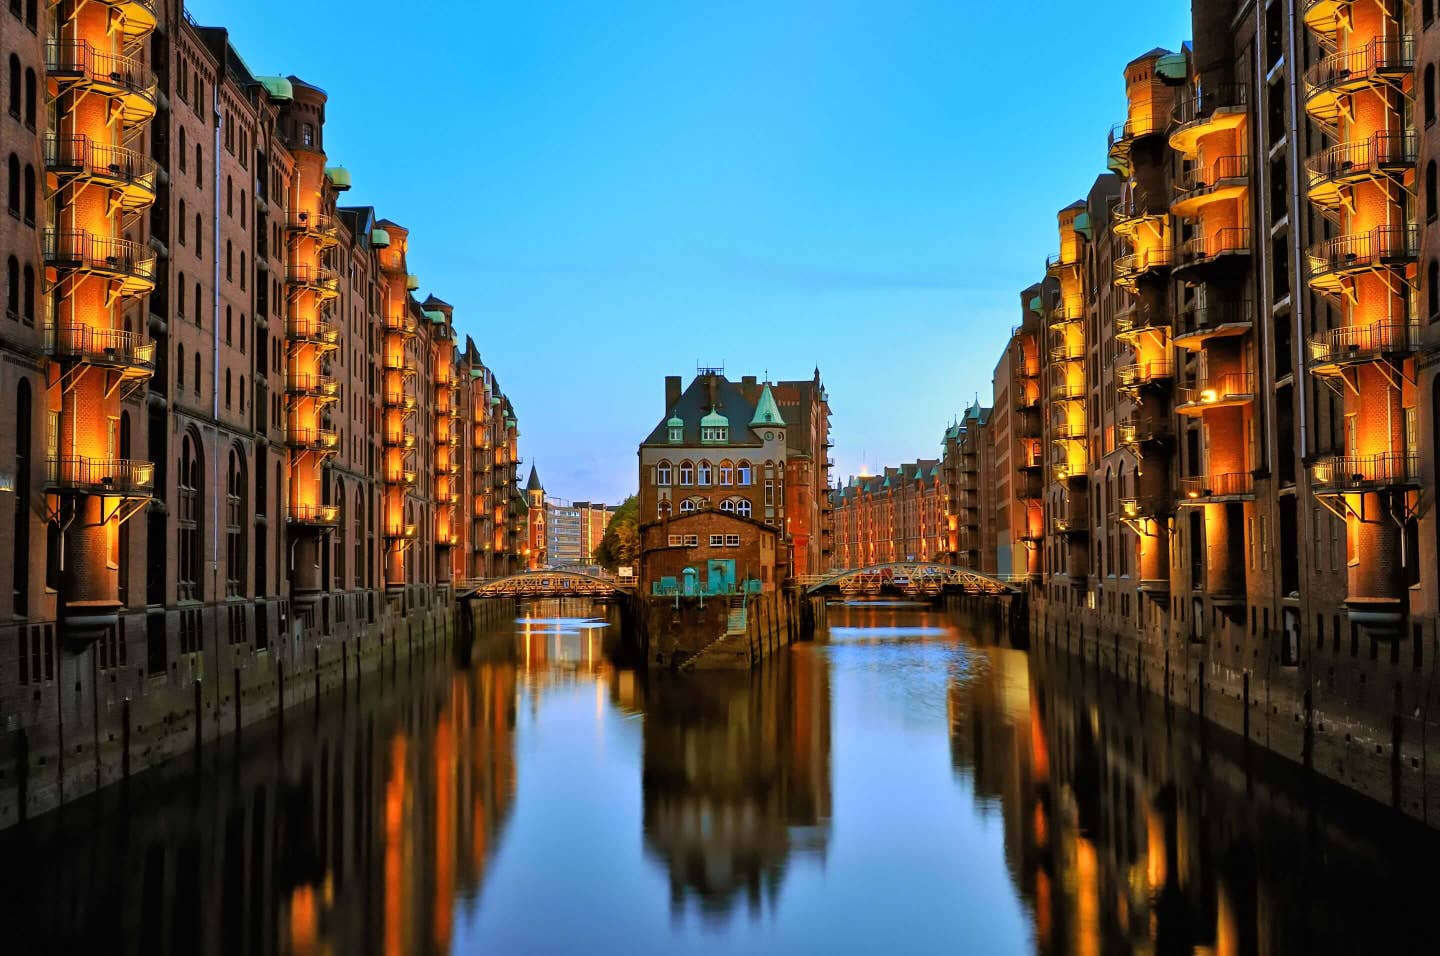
(720, 576)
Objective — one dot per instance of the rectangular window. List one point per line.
(676, 540)
(692, 540)
(769, 491)
(717, 541)
(732, 541)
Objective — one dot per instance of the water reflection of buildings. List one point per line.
(357, 833)
(737, 780)
(1129, 829)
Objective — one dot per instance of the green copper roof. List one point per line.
(435, 315)
(766, 411)
(1082, 224)
(935, 472)
(714, 420)
(675, 421)
(1037, 305)
(278, 87)
(887, 482)
(1171, 66)
(494, 400)
(509, 423)
(919, 475)
(339, 177)
(477, 373)
(412, 282)
(379, 238)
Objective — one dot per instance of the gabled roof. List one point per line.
(694, 404)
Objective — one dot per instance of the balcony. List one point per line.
(1226, 390)
(1204, 489)
(322, 440)
(314, 516)
(402, 531)
(1203, 322)
(1204, 110)
(1062, 315)
(1067, 392)
(1385, 154)
(1148, 507)
(1128, 215)
(1323, 17)
(1070, 525)
(1383, 61)
(1127, 270)
(1226, 178)
(1338, 349)
(130, 175)
(1072, 469)
(312, 225)
(105, 477)
(1135, 432)
(402, 324)
(1355, 474)
(1029, 459)
(322, 281)
(1134, 321)
(128, 81)
(1057, 265)
(315, 332)
(1202, 257)
(137, 17)
(126, 352)
(400, 402)
(1027, 396)
(1124, 135)
(322, 388)
(401, 476)
(1140, 374)
(1332, 261)
(397, 363)
(394, 439)
(75, 252)
(1068, 431)
(1069, 352)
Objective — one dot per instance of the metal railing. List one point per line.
(81, 155)
(1200, 103)
(1383, 150)
(1200, 179)
(1232, 240)
(312, 222)
(1143, 373)
(1069, 352)
(1145, 506)
(1226, 485)
(313, 330)
(1208, 318)
(400, 400)
(313, 277)
(1392, 54)
(323, 439)
(1381, 246)
(320, 386)
(102, 476)
(1394, 469)
(101, 346)
(1131, 265)
(110, 70)
(80, 250)
(1364, 342)
(1225, 387)
(323, 515)
(1065, 392)
(1068, 431)
(403, 323)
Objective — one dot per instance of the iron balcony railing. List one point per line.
(315, 386)
(110, 73)
(401, 476)
(1225, 388)
(1200, 103)
(1134, 128)
(402, 530)
(1214, 318)
(1223, 171)
(1068, 352)
(1146, 506)
(1056, 264)
(1144, 373)
(1070, 524)
(1381, 247)
(1128, 267)
(1340, 473)
(400, 400)
(1066, 392)
(1146, 429)
(1067, 431)
(404, 323)
(101, 347)
(314, 223)
(1363, 343)
(1230, 241)
(1232, 484)
(1384, 151)
(313, 331)
(78, 155)
(1351, 68)
(100, 476)
(1031, 458)
(316, 439)
(315, 515)
(399, 440)
(313, 277)
(397, 363)
(80, 251)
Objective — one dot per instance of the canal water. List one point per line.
(908, 782)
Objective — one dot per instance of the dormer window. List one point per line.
(715, 435)
(677, 435)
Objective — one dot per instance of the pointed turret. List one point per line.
(766, 411)
(534, 483)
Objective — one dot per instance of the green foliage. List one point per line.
(620, 545)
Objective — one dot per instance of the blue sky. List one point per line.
(612, 192)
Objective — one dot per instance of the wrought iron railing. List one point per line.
(1362, 472)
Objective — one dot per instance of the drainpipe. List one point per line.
(1297, 301)
(215, 338)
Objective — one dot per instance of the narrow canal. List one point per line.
(907, 782)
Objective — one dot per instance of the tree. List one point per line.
(620, 545)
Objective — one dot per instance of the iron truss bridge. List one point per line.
(910, 577)
(559, 583)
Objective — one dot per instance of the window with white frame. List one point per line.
(702, 474)
(718, 434)
(742, 507)
(732, 541)
(743, 474)
(687, 506)
(677, 434)
(717, 541)
(662, 474)
(727, 473)
(687, 473)
(769, 491)
(727, 505)
(676, 540)
(692, 540)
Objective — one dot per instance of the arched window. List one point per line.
(1430, 197)
(235, 513)
(229, 261)
(743, 474)
(199, 166)
(687, 473)
(229, 323)
(189, 576)
(12, 193)
(14, 86)
(728, 505)
(1427, 12)
(242, 209)
(242, 271)
(703, 474)
(199, 307)
(30, 97)
(727, 473)
(1429, 94)
(20, 541)
(180, 235)
(28, 302)
(12, 288)
(742, 507)
(29, 193)
(197, 373)
(227, 388)
(1432, 287)
(662, 474)
(180, 295)
(687, 506)
(180, 366)
(229, 195)
(182, 152)
(242, 393)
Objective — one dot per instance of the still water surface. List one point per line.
(906, 783)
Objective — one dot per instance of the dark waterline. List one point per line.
(908, 782)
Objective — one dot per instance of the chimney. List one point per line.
(748, 384)
(672, 392)
(712, 382)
